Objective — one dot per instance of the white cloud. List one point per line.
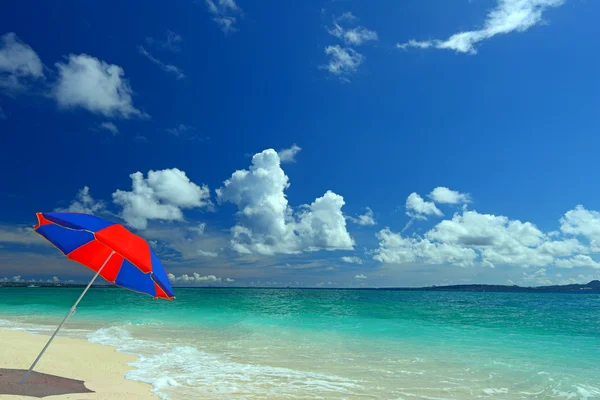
(196, 278)
(537, 278)
(368, 218)
(224, 13)
(508, 16)
(289, 155)
(18, 61)
(352, 260)
(161, 196)
(198, 229)
(579, 260)
(180, 130)
(268, 225)
(471, 238)
(5, 279)
(229, 280)
(205, 253)
(342, 61)
(580, 221)
(419, 208)
(109, 126)
(2, 114)
(171, 42)
(395, 249)
(84, 203)
(346, 17)
(99, 87)
(351, 36)
(170, 68)
(16, 279)
(443, 195)
(20, 235)
(360, 277)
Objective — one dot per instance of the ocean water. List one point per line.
(335, 344)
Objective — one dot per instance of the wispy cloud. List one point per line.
(225, 13)
(109, 126)
(165, 67)
(19, 234)
(351, 36)
(289, 155)
(197, 279)
(181, 130)
(343, 61)
(2, 114)
(85, 203)
(172, 41)
(508, 16)
(368, 218)
(352, 260)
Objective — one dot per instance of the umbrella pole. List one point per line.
(71, 311)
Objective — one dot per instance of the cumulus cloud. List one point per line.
(508, 16)
(16, 279)
(537, 278)
(360, 277)
(418, 208)
(170, 68)
(580, 221)
(225, 13)
(443, 195)
(161, 196)
(268, 225)
(84, 203)
(470, 238)
(368, 218)
(99, 87)
(343, 61)
(289, 155)
(579, 260)
(18, 62)
(196, 279)
(352, 260)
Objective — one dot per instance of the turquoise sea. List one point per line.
(335, 344)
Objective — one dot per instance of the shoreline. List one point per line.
(101, 367)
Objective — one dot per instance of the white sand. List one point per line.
(100, 367)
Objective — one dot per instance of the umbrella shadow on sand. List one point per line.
(38, 384)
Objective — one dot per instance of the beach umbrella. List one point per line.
(109, 249)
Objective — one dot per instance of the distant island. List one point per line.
(591, 287)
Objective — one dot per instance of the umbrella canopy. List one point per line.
(124, 258)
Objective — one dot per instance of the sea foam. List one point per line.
(178, 372)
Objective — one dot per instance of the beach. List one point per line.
(305, 344)
(100, 367)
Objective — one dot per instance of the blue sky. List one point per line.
(492, 102)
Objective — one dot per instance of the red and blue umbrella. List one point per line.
(109, 249)
(91, 240)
